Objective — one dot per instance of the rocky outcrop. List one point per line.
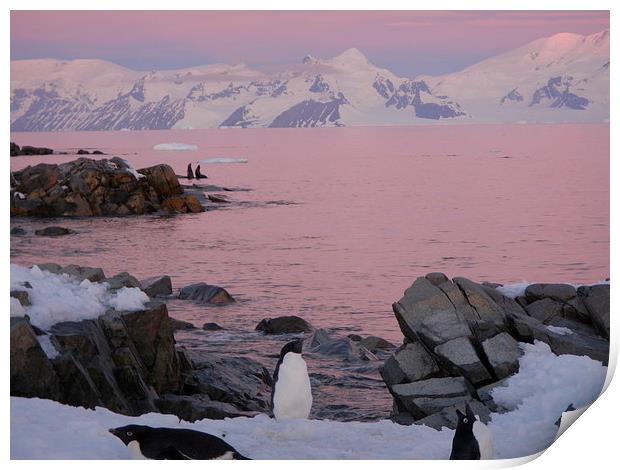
(128, 362)
(159, 286)
(461, 340)
(86, 187)
(16, 150)
(282, 325)
(205, 293)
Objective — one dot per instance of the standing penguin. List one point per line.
(190, 172)
(472, 439)
(145, 442)
(291, 396)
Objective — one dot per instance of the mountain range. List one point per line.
(561, 78)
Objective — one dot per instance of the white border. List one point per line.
(589, 444)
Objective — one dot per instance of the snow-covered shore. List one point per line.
(545, 385)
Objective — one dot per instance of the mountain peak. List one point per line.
(351, 56)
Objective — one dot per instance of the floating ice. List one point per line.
(60, 297)
(224, 160)
(176, 146)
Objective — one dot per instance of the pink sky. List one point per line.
(408, 42)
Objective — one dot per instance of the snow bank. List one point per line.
(60, 297)
(543, 388)
(176, 146)
(224, 160)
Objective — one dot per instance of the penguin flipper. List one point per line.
(171, 453)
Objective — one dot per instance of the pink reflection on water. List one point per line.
(373, 208)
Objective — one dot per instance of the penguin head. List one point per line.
(133, 432)
(294, 347)
(467, 419)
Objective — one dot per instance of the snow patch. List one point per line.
(17, 310)
(48, 347)
(560, 330)
(60, 297)
(224, 160)
(176, 146)
(18, 195)
(514, 290)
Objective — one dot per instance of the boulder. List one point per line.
(32, 373)
(239, 381)
(437, 278)
(53, 231)
(22, 296)
(503, 353)
(15, 150)
(459, 357)
(354, 337)
(426, 397)
(205, 293)
(211, 326)
(121, 280)
(544, 309)
(159, 286)
(181, 325)
(596, 300)
(17, 231)
(410, 362)
(559, 292)
(163, 180)
(282, 325)
(79, 272)
(373, 343)
(426, 312)
(196, 407)
(30, 150)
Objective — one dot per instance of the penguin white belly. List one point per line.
(485, 440)
(292, 397)
(135, 451)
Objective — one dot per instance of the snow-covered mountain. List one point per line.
(561, 78)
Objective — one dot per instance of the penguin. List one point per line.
(149, 443)
(199, 174)
(190, 173)
(472, 439)
(291, 396)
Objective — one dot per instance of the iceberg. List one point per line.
(176, 146)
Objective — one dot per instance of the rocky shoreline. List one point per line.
(108, 187)
(460, 341)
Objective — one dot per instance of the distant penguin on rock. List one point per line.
(291, 396)
(145, 442)
(472, 439)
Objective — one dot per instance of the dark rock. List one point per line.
(318, 337)
(503, 354)
(459, 357)
(205, 293)
(211, 326)
(98, 152)
(18, 231)
(163, 180)
(160, 286)
(82, 152)
(354, 337)
(121, 280)
(30, 150)
(282, 325)
(218, 199)
(596, 300)
(489, 316)
(15, 150)
(22, 296)
(151, 333)
(544, 309)
(240, 381)
(426, 397)
(410, 362)
(437, 278)
(373, 343)
(181, 325)
(426, 312)
(196, 407)
(560, 292)
(76, 383)
(53, 231)
(79, 272)
(32, 373)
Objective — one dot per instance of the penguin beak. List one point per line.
(113, 431)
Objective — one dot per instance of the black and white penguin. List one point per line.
(145, 442)
(291, 396)
(472, 439)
